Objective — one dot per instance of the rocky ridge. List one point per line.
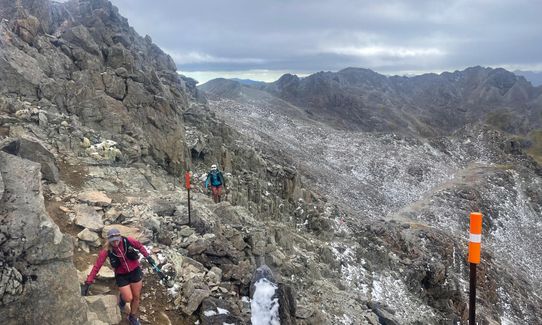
(427, 105)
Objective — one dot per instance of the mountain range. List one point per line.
(352, 187)
(430, 104)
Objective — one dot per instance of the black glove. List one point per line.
(84, 289)
(150, 260)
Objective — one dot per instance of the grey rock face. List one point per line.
(92, 64)
(40, 280)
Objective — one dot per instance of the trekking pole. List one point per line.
(475, 240)
(162, 275)
(187, 183)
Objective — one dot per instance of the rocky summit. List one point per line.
(347, 194)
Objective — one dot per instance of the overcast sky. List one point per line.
(263, 39)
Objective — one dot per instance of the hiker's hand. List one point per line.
(150, 260)
(84, 289)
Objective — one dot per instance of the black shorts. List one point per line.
(131, 277)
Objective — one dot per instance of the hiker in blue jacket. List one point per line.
(216, 180)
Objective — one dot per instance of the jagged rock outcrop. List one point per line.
(38, 281)
(82, 58)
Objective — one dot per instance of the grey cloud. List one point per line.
(312, 35)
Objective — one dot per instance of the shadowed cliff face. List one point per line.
(360, 99)
(82, 58)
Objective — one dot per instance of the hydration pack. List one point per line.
(214, 178)
(130, 253)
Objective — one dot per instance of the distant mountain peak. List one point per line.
(221, 87)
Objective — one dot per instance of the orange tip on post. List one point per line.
(475, 238)
(187, 180)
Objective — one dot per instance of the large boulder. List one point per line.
(105, 307)
(95, 198)
(88, 217)
(90, 237)
(38, 281)
(33, 150)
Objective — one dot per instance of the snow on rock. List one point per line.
(265, 305)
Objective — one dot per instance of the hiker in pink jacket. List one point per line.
(124, 258)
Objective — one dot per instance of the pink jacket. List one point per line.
(126, 265)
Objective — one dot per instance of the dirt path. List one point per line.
(469, 176)
(156, 307)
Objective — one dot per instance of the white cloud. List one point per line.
(200, 57)
(386, 51)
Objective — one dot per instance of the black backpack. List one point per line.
(130, 253)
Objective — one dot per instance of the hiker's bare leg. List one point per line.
(215, 193)
(136, 293)
(219, 193)
(126, 293)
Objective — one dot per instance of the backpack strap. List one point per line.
(126, 243)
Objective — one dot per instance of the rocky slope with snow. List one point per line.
(398, 231)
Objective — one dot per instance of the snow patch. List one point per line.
(265, 305)
(209, 313)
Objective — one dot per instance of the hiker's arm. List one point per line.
(139, 246)
(97, 266)
(207, 180)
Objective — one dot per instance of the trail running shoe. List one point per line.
(133, 320)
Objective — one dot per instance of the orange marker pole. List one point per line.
(475, 240)
(187, 184)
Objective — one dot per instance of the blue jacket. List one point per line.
(215, 178)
